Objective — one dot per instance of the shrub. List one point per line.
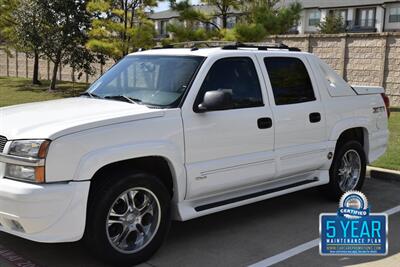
(250, 32)
(332, 24)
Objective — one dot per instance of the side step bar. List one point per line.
(254, 195)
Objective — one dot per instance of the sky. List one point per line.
(165, 5)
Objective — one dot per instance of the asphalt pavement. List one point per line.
(244, 236)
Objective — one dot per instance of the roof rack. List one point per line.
(263, 47)
(226, 45)
(195, 44)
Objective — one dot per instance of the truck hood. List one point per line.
(52, 119)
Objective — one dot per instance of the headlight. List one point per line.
(28, 149)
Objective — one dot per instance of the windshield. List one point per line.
(149, 80)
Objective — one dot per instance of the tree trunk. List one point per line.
(35, 78)
(54, 76)
(224, 21)
(126, 44)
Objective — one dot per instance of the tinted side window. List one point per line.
(290, 81)
(237, 75)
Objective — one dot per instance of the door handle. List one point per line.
(315, 117)
(264, 123)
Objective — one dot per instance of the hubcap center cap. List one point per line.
(131, 217)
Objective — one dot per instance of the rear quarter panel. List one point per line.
(354, 111)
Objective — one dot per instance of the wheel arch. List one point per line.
(156, 165)
(359, 134)
(161, 160)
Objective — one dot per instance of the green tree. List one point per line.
(224, 8)
(7, 21)
(63, 28)
(192, 16)
(221, 9)
(27, 32)
(249, 32)
(332, 24)
(261, 17)
(184, 33)
(120, 27)
(20, 27)
(273, 15)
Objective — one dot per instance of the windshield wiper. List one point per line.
(124, 98)
(91, 95)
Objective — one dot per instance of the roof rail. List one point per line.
(261, 47)
(195, 44)
(226, 45)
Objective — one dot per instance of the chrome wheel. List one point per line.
(133, 220)
(350, 170)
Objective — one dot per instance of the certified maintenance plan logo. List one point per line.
(353, 230)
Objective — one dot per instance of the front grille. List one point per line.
(3, 141)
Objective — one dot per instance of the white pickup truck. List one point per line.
(178, 133)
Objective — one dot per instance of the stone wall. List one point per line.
(362, 59)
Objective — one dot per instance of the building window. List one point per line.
(394, 15)
(315, 18)
(163, 27)
(231, 22)
(340, 12)
(366, 17)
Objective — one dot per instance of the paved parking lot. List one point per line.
(238, 237)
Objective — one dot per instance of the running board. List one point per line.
(253, 195)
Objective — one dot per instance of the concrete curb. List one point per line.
(383, 174)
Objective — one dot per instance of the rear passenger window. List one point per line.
(237, 75)
(290, 81)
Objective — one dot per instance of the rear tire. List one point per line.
(128, 219)
(348, 168)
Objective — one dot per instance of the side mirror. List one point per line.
(216, 100)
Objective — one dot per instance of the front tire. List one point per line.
(348, 168)
(128, 219)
